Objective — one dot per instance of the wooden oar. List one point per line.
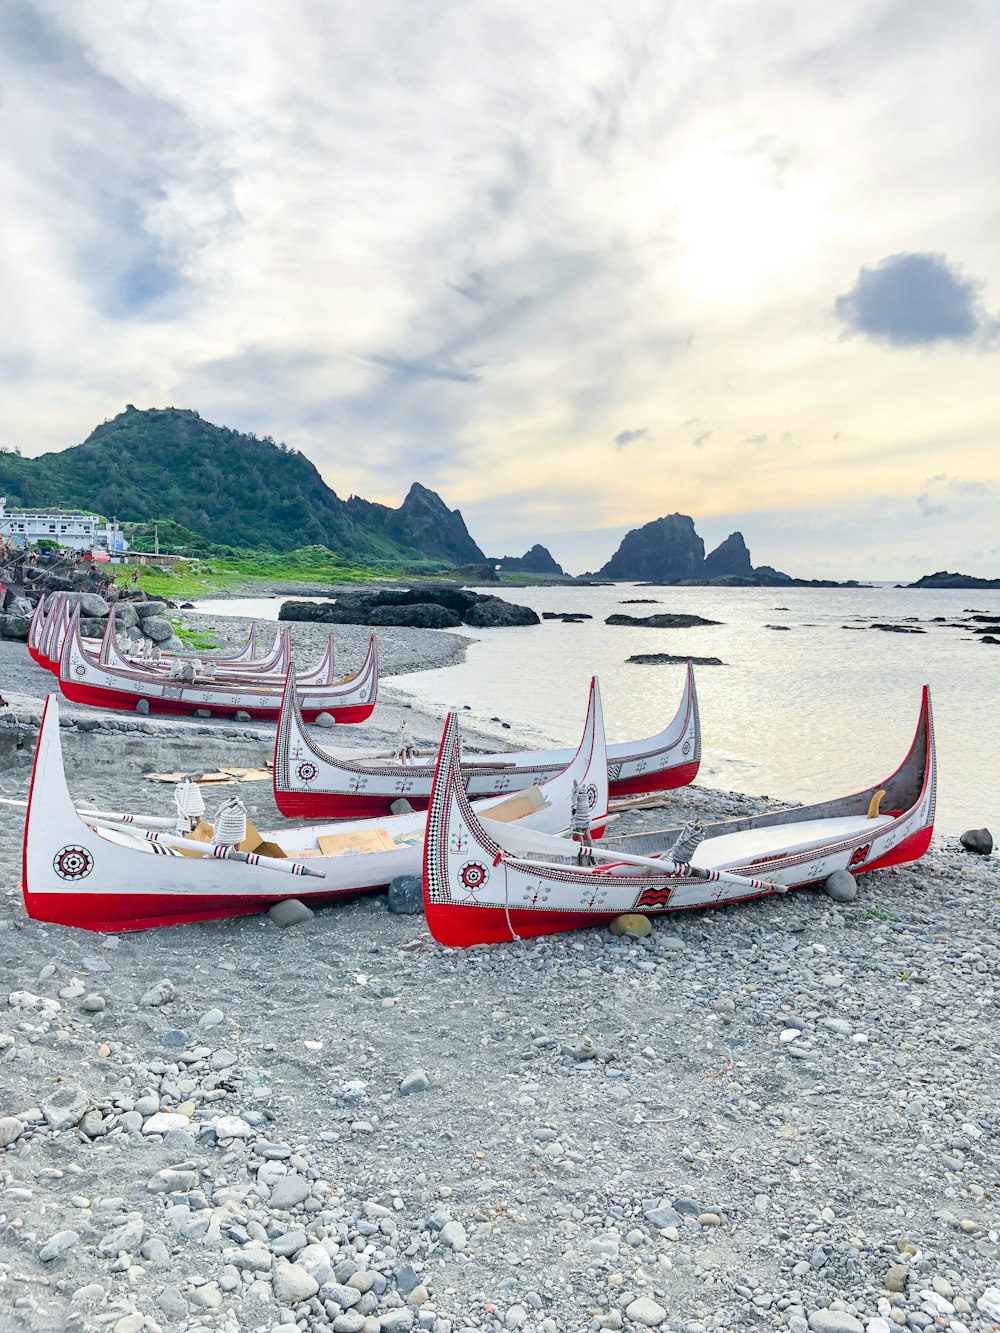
(543, 842)
(221, 852)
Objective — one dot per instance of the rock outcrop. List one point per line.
(942, 579)
(730, 559)
(662, 551)
(536, 561)
(432, 606)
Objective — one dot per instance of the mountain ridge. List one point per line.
(230, 487)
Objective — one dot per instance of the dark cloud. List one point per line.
(625, 437)
(701, 439)
(423, 368)
(910, 300)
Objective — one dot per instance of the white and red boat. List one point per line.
(51, 619)
(486, 884)
(84, 679)
(315, 783)
(49, 624)
(101, 871)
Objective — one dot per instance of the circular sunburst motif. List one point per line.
(81, 670)
(473, 875)
(72, 863)
(591, 791)
(306, 772)
(686, 748)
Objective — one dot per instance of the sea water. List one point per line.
(820, 708)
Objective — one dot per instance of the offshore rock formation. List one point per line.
(666, 550)
(945, 580)
(536, 561)
(730, 559)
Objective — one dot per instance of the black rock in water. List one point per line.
(662, 659)
(494, 613)
(978, 840)
(942, 579)
(663, 620)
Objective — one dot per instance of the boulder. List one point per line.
(90, 603)
(979, 840)
(126, 614)
(494, 613)
(406, 895)
(157, 629)
(290, 912)
(419, 615)
(325, 613)
(841, 886)
(91, 627)
(145, 609)
(14, 627)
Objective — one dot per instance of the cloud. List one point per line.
(625, 437)
(702, 439)
(946, 494)
(755, 439)
(911, 300)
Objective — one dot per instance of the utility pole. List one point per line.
(156, 539)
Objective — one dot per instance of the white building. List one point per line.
(79, 532)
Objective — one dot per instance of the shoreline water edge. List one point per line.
(779, 1115)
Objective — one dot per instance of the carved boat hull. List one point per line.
(485, 885)
(313, 783)
(101, 878)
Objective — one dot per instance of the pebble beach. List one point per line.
(781, 1115)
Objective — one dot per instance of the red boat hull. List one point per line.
(117, 912)
(333, 805)
(125, 701)
(460, 927)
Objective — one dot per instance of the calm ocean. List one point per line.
(812, 711)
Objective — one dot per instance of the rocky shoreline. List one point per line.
(781, 1115)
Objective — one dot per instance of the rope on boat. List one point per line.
(579, 824)
(231, 823)
(691, 836)
(405, 750)
(190, 803)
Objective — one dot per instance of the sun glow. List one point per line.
(736, 223)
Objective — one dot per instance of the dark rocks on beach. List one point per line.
(495, 613)
(144, 609)
(978, 840)
(639, 601)
(841, 886)
(663, 620)
(662, 659)
(290, 912)
(569, 617)
(422, 615)
(898, 629)
(406, 895)
(432, 606)
(784, 627)
(157, 629)
(989, 638)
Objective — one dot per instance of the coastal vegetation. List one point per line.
(229, 488)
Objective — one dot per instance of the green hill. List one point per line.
(231, 489)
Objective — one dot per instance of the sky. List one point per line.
(574, 265)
